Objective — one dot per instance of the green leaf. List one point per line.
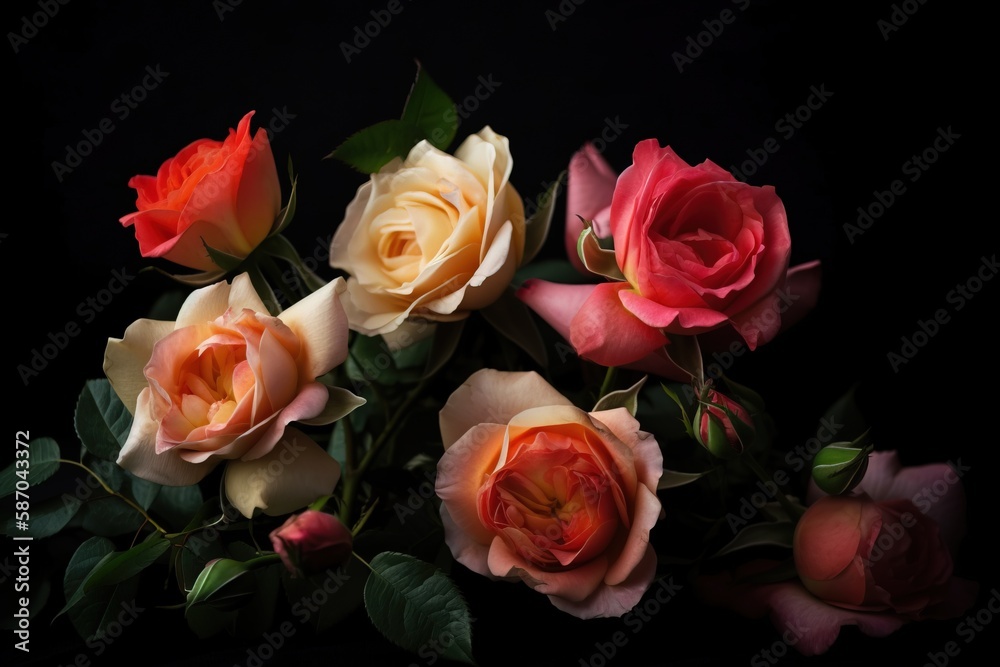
(672, 478)
(223, 260)
(412, 603)
(141, 491)
(109, 516)
(84, 560)
(280, 247)
(747, 397)
(536, 228)
(176, 504)
(42, 462)
(842, 419)
(778, 534)
(286, 214)
(623, 398)
(686, 353)
(512, 318)
(431, 110)
(46, 518)
(167, 305)
(446, 338)
(370, 149)
(126, 564)
(191, 279)
(263, 289)
(337, 445)
(595, 258)
(102, 421)
(225, 584)
(93, 616)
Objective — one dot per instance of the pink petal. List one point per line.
(608, 334)
(555, 303)
(461, 472)
(589, 189)
(617, 600)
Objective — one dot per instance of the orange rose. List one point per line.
(223, 382)
(221, 193)
(536, 489)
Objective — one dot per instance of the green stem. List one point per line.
(112, 492)
(351, 481)
(793, 512)
(609, 381)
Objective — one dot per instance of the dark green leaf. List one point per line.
(93, 616)
(176, 504)
(46, 518)
(512, 318)
(288, 212)
(552, 270)
(102, 421)
(412, 603)
(536, 229)
(81, 564)
(223, 260)
(761, 534)
(126, 564)
(278, 246)
(373, 147)
(431, 110)
(595, 258)
(41, 463)
(109, 516)
(672, 478)
(686, 353)
(446, 338)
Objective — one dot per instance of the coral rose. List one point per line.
(221, 193)
(222, 383)
(536, 489)
(433, 236)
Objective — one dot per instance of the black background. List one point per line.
(560, 82)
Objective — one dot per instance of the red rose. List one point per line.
(221, 193)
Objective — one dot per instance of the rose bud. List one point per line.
(717, 431)
(312, 541)
(838, 468)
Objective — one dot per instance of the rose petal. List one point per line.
(293, 474)
(493, 397)
(320, 323)
(614, 600)
(608, 334)
(125, 358)
(138, 454)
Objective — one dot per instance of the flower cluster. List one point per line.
(300, 402)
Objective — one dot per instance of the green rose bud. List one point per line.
(840, 467)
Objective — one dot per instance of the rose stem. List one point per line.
(609, 381)
(793, 512)
(115, 493)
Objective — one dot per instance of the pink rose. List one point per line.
(700, 252)
(221, 193)
(878, 559)
(223, 382)
(536, 489)
(311, 542)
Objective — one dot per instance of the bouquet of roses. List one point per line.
(278, 441)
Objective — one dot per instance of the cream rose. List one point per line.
(431, 237)
(223, 382)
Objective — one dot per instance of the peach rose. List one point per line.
(221, 193)
(879, 559)
(223, 382)
(536, 489)
(433, 236)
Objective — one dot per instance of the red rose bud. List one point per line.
(839, 467)
(717, 430)
(312, 541)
